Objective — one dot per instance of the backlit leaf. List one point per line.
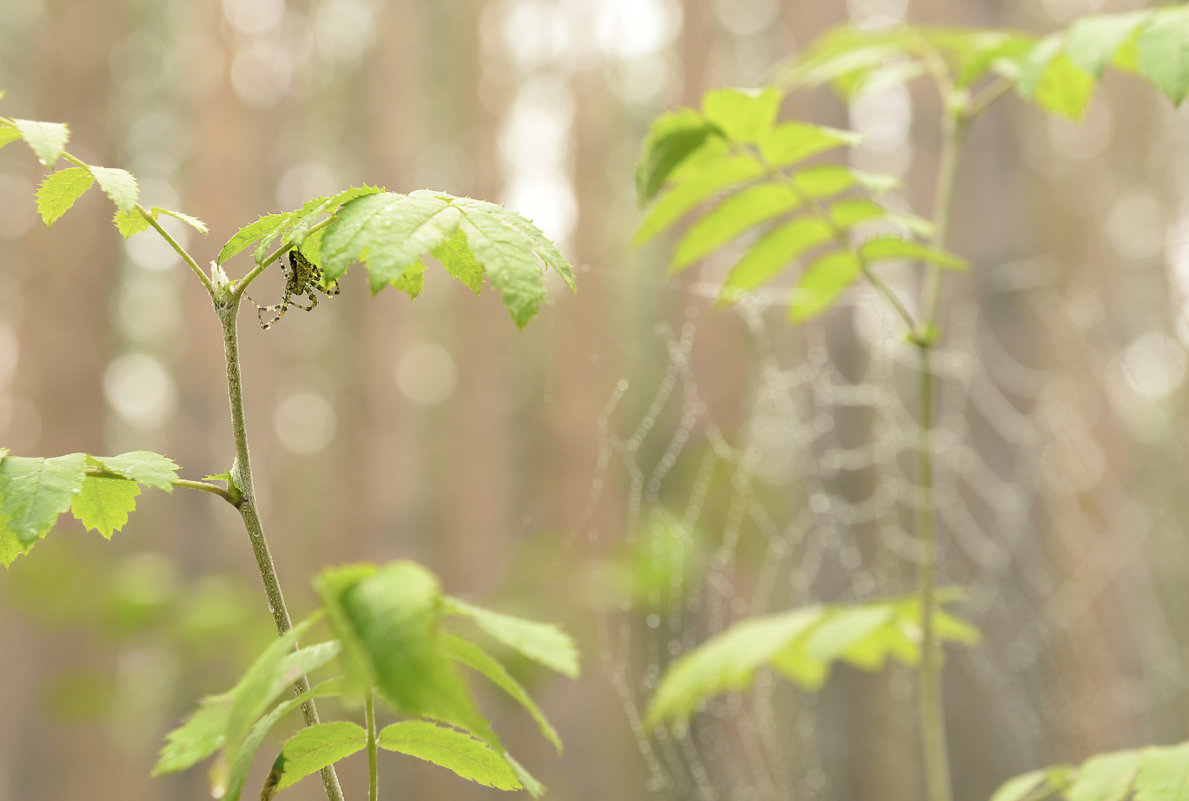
(103, 504)
(143, 467)
(743, 115)
(787, 144)
(775, 251)
(1163, 774)
(1163, 51)
(33, 492)
(8, 134)
(822, 283)
(130, 223)
(59, 190)
(1092, 42)
(119, 185)
(251, 233)
(1106, 777)
(315, 747)
(892, 248)
(193, 222)
(671, 139)
(733, 217)
(685, 195)
(46, 139)
(544, 643)
(468, 757)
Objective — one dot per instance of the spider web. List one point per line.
(1057, 505)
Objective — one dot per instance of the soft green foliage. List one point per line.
(541, 642)
(315, 747)
(1154, 773)
(802, 645)
(119, 185)
(389, 642)
(99, 491)
(391, 232)
(748, 170)
(47, 140)
(454, 750)
(59, 190)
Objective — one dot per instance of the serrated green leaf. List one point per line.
(458, 752)
(119, 185)
(10, 546)
(671, 139)
(143, 467)
(1019, 787)
(743, 115)
(315, 747)
(534, 238)
(1163, 51)
(47, 140)
(103, 504)
(474, 657)
(203, 733)
(775, 251)
(59, 190)
(1092, 42)
(271, 675)
(822, 283)
(787, 144)
(8, 135)
(1106, 777)
(695, 188)
(455, 255)
(508, 257)
(544, 643)
(892, 248)
(250, 233)
(411, 281)
(734, 216)
(1163, 774)
(388, 621)
(1050, 78)
(130, 223)
(193, 222)
(33, 492)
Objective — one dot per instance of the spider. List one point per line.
(302, 277)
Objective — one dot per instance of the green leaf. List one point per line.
(33, 492)
(1163, 774)
(1106, 777)
(1092, 42)
(792, 142)
(46, 139)
(1019, 787)
(893, 248)
(411, 281)
(315, 747)
(773, 252)
(474, 657)
(130, 223)
(8, 134)
(543, 643)
(250, 233)
(470, 758)
(826, 180)
(1163, 51)
(822, 284)
(743, 115)
(270, 676)
(731, 218)
(388, 620)
(143, 467)
(1050, 77)
(193, 222)
(103, 504)
(203, 733)
(456, 257)
(671, 139)
(119, 185)
(59, 190)
(695, 188)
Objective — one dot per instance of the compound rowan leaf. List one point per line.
(544, 643)
(734, 216)
(671, 139)
(34, 491)
(119, 185)
(713, 177)
(47, 140)
(822, 283)
(893, 248)
(773, 252)
(59, 190)
(454, 750)
(743, 115)
(250, 233)
(315, 747)
(103, 504)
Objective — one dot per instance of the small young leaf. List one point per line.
(103, 504)
(59, 190)
(143, 467)
(893, 248)
(193, 222)
(470, 758)
(8, 135)
(315, 747)
(250, 233)
(1163, 51)
(735, 215)
(130, 223)
(671, 139)
(46, 139)
(743, 115)
(474, 657)
(543, 643)
(33, 492)
(822, 284)
(119, 185)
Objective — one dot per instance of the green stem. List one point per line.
(372, 782)
(284, 247)
(953, 133)
(181, 251)
(227, 308)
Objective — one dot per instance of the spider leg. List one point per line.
(313, 299)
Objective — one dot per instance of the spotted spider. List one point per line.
(302, 277)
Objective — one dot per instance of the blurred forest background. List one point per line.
(635, 465)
